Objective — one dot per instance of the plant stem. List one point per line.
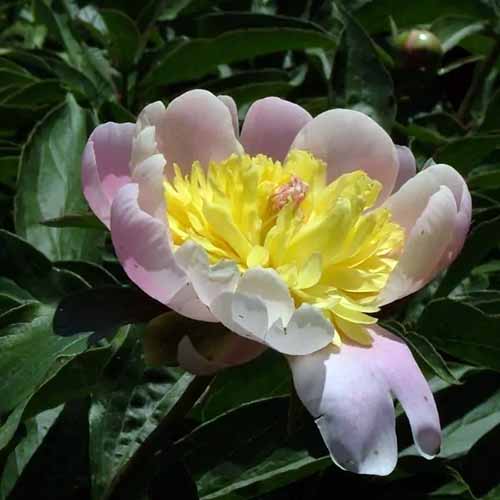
(143, 460)
(477, 81)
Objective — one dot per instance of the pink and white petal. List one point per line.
(92, 186)
(222, 308)
(444, 175)
(143, 146)
(187, 303)
(149, 176)
(407, 166)
(105, 165)
(196, 126)
(142, 245)
(409, 386)
(348, 392)
(235, 350)
(407, 207)
(407, 204)
(425, 245)
(151, 115)
(307, 331)
(208, 281)
(191, 360)
(352, 406)
(250, 314)
(268, 286)
(271, 125)
(348, 140)
(233, 109)
(461, 230)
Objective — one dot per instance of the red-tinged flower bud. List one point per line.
(418, 49)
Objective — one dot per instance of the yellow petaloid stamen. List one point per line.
(331, 250)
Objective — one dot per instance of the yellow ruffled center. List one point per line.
(322, 239)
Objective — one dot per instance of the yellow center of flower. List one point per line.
(322, 239)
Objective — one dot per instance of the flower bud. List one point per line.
(418, 49)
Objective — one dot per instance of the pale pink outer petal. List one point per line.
(237, 351)
(151, 115)
(271, 125)
(142, 245)
(434, 208)
(144, 143)
(148, 208)
(196, 126)
(348, 392)
(233, 109)
(105, 165)
(410, 388)
(149, 176)
(407, 166)
(352, 407)
(187, 303)
(348, 140)
(207, 281)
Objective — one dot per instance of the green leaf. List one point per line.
(85, 59)
(128, 406)
(463, 331)
(431, 356)
(30, 62)
(466, 154)
(74, 376)
(37, 94)
(88, 221)
(93, 274)
(10, 425)
(36, 430)
(12, 66)
(204, 55)
(84, 312)
(451, 30)
(246, 94)
(11, 289)
(457, 488)
(59, 468)
(32, 341)
(32, 272)
(123, 36)
(462, 434)
(258, 458)
(484, 237)
(425, 351)
(493, 494)
(267, 376)
(485, 181)
(50, 186)
(91, 18)
(491, 122)
(214, 24)
(8, 170)
(374, 14)
(368, 85)
(75, 80)
(9, 77)
(173, 9)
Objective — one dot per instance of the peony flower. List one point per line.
(292, 234)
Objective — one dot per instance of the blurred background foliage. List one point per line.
(82, 415)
